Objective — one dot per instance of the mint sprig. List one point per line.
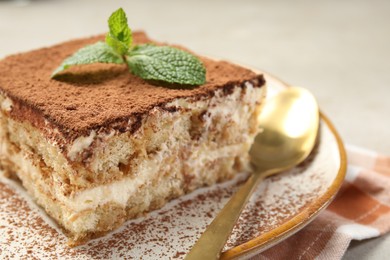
(150, 62)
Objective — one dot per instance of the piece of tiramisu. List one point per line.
(99, 146)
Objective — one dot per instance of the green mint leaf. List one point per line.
(166, 64)
(119, 37)
(150, 62)
(99, 52)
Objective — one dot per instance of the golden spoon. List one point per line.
(288, 130)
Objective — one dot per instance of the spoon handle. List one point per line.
(211, 242)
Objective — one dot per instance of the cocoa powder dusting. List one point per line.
(97, 95)
(167, 233)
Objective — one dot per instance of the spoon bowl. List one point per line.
(288, 130)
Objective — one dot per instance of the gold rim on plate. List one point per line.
(272, 237)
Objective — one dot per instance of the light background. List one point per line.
(339, 50)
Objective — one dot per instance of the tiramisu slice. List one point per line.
(99, 146)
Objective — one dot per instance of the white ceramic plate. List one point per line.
(281, 206)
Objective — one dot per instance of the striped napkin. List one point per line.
(360, 211)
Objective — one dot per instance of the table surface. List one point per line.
(339, 50)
